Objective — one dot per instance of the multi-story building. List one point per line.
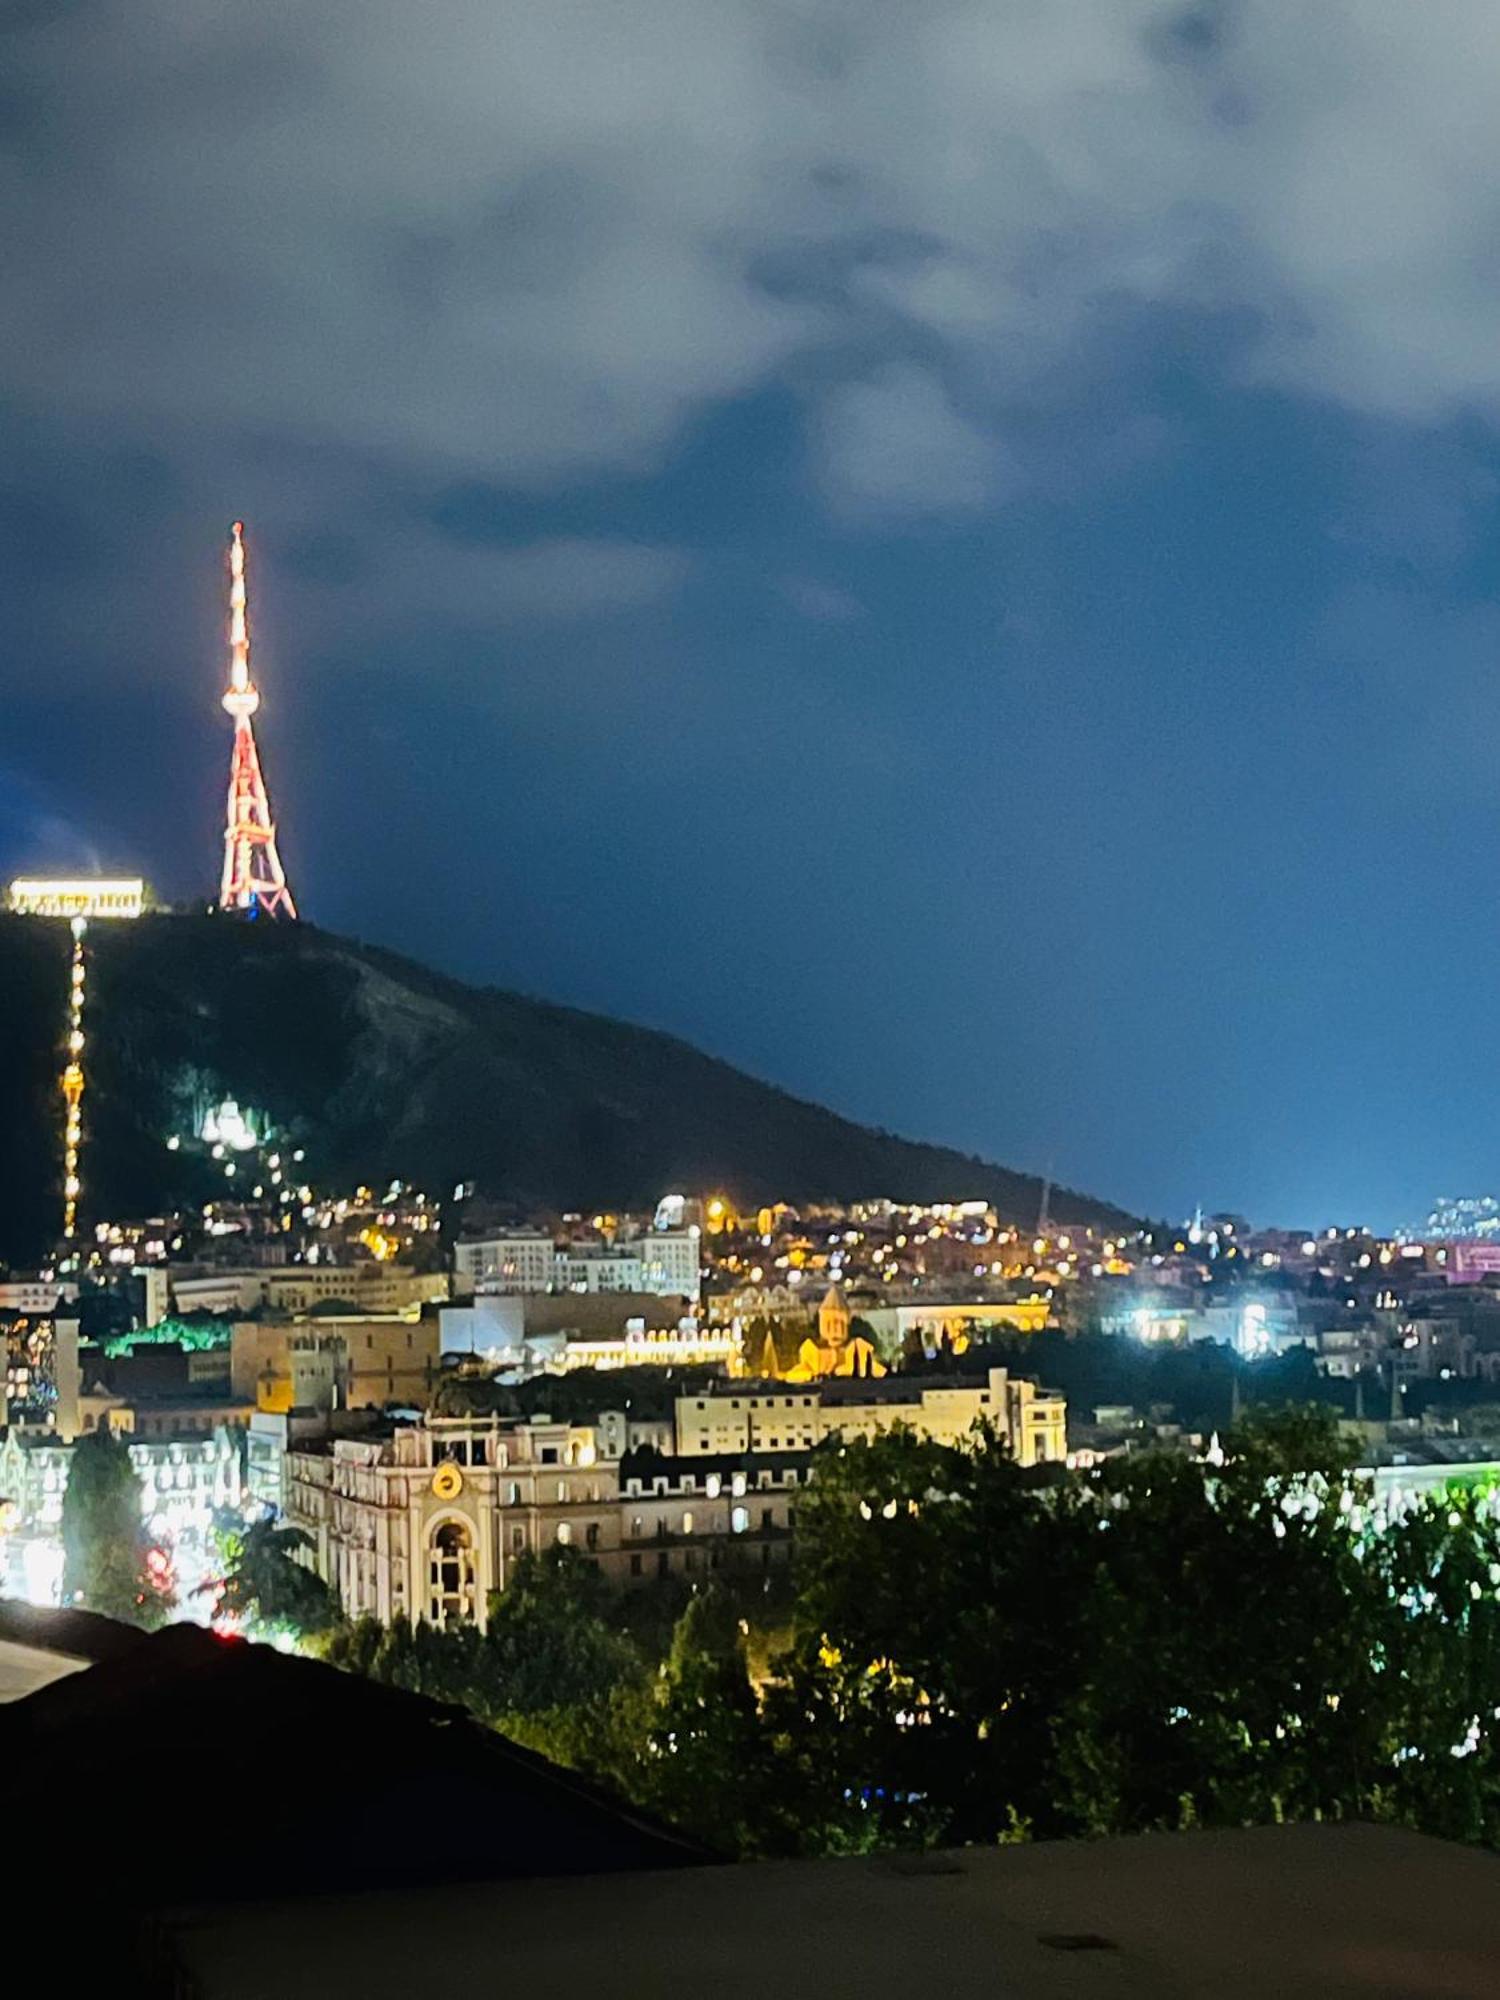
(771, 1416)
(183, 1480)
(430, 1521)
(662, 1262)
(522, 1261)
(37, 1296)
(374, 1359)
(369, 1287)
(693, 1517)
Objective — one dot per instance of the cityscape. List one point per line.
(749, 1204)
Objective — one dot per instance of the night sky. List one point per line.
(944, 550)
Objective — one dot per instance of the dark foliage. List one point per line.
(975, 1657)
(105, 1546)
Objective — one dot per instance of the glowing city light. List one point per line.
(72, 1082)
(85, 896)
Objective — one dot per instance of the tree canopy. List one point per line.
(263, 1586)
(977, 1652)
(1164, 1642)
(108, 1563)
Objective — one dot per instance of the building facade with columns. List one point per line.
(429, 1522)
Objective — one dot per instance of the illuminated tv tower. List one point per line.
(253, 876)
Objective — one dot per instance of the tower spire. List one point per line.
(253, 877)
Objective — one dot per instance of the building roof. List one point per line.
(332, 1783)
(38, 1646)
(645, 1462)
(1299, 1912)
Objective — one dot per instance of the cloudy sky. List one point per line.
(943, 549)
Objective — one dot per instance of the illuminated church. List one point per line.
(835, 1350)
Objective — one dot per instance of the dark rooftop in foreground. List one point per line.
(242, 1822)
(329, 1783)
(1272, 1913)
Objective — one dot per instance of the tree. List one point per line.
(108, 1562)
(705, 1757)
(441, 1663)
(550, 1642)
(265, 1588)
(981, 1652)
(1160, 1641)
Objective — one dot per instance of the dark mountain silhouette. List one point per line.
(381, 1068)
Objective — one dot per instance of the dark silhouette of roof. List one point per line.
(329, 1783)
(82, 1635)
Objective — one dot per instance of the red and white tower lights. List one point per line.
(253, 876)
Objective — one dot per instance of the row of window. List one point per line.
(690, 1560)
(713, 1483)
(756, 1402)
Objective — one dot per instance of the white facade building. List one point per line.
(37, 1296)
(519, 1262)
(665, 1262)
(292, 1288)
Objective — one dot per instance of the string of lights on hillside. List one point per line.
(72, 1081)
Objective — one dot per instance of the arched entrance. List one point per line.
(451, 1575)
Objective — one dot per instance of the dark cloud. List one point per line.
(867, 429)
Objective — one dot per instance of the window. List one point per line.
(514, 1493)
(518, 1538)
(591, 1535)
(564, 1532)
(739, 1519)
(663, 1562)
(711, 1485)
(768, 1517)
(687, 1524)
(635, 1565)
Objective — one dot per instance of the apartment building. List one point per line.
(665, 1263)
(772, 1417)
(369, 1287)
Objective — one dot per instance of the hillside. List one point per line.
(380, 1067)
